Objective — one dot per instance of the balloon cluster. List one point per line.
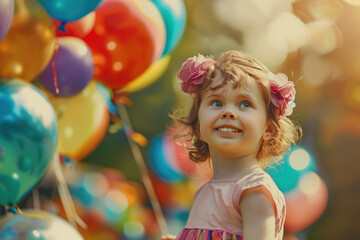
(105, 199)
(305, 192)
(124, 46)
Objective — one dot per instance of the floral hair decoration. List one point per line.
(282, 93)
(192, 74)
(193, 71)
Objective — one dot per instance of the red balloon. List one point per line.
(306, 203)
(121, 42)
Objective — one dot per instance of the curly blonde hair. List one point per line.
(238, 69)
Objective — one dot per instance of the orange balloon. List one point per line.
(28, 46)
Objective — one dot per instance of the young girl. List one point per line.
(238, 121)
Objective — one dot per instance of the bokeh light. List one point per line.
(299, 159)
(133, 230)
(310, 183)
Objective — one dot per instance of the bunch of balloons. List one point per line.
(52, 96)
(305, 192)
(125, 45)
(105, 199)
(131, 41)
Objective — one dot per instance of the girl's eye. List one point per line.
(245, 105)
(216, 104)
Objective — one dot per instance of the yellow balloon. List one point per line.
(148, 77)
(83, 122)
(28, 46)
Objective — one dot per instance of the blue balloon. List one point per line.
(174, 15)
(286, 176)
(69, 10)
(158, 163)
(28, 138)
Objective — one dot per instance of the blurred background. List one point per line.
(117, 53)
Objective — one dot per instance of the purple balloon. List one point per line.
(6, 16)
(74, 67)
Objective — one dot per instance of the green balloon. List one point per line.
(28, 138)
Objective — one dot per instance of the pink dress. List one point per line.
(215, 213)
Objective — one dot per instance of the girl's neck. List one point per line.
(233, 168)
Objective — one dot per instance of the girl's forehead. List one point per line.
(241, 89)
(243, 85)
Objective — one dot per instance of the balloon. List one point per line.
(306, 203)
(28, 46)
(73, 67)
(78, 28)
(174, 15)
(122, 43)
(155, 23)
(6, 16)
(159, 163)
(28, 138)
(178, 153)
(148, 77)
(83, 122)
(69, 10)
(36, 225)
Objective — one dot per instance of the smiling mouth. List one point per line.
(226, 129)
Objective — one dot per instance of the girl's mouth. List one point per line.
(227, 129)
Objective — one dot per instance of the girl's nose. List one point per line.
(228, 115)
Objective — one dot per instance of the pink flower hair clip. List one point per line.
(282, 93)
(193, 71)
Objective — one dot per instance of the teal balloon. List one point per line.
(286, 176)
(28, 138)
(36, 225)
(69, 10)
(174, 15)
(158, 162)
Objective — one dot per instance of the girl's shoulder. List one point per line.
(259, 178)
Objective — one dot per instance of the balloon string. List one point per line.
(65, 195)
(27, 214)
(36, 198)
(54, 69)
(143, 169)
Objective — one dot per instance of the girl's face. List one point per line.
(233, 121)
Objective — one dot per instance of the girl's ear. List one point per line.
(267, 136)
(269, 131)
